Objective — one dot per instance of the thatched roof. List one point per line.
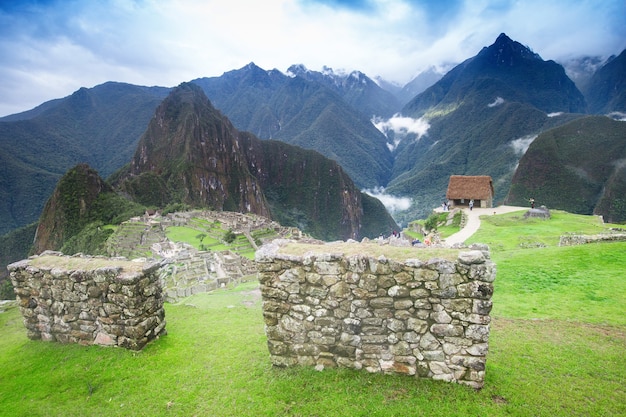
(478, 187)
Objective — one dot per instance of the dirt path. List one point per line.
(473, 221)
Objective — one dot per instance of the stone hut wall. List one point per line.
(422, 318)
(107, 306)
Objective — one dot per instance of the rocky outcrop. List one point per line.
(89, 301)
(423, 318)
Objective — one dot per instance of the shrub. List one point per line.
(230, 236)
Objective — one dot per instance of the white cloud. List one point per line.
(391, 203)
(399, 127)
(496, 102)
(618, 116)
(83, 43)
(555, 114)
(520, 146)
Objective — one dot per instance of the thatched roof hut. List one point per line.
(464, 188)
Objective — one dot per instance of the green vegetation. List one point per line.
(91, 239)
(99, 126)
(509, 232)
(205, 235)
(192, 236)
(576, 167)
(556, 348)
(540, 275)
(436, 223)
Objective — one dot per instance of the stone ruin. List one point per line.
(89, 300)
(574, 239)
(188, 271)
(542, 212)
(421, 318)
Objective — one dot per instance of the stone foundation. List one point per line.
(574, 239)
(423, 318)
(89, 300)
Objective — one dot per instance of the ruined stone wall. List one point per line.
(116, 303)
(423, 318)
(574, 239)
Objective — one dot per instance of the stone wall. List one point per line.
(422, 318)
(574, 239)
(89, 300)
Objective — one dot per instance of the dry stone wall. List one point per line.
(422, 318)
(574, 239)
(109, 305)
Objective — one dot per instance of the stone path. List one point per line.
(473, 221)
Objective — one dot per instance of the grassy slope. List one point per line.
(548, 356)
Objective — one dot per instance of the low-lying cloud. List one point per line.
(398, 127)
(392, 204)
(496, 102)
(520, 146)
(555, 114)
(617, 115)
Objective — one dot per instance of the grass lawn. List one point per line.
(557, 348)
(193, 237)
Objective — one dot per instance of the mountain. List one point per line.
(307, 112)
(98, 126)
(606, 90)
(68, 209)
(192, 154)
(356, 88)
(581, 69)
(480, 114)
(513, 70)
(578, 167)
(477, 119)
(421, 82)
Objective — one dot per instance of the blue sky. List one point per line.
(51, 48)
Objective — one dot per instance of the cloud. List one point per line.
(555, 114)
(391, 203)
(520, 146)
(51, 48)
(496, 102)
(399, 127)
(618, 116)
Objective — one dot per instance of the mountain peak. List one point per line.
(506, 51)
(503, 38)
(297, 69)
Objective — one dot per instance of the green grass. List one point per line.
(193, 237)
(556, 349)
(538, 279)
(207, 235)
(512, 231)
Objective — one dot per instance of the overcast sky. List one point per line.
(51, 48)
